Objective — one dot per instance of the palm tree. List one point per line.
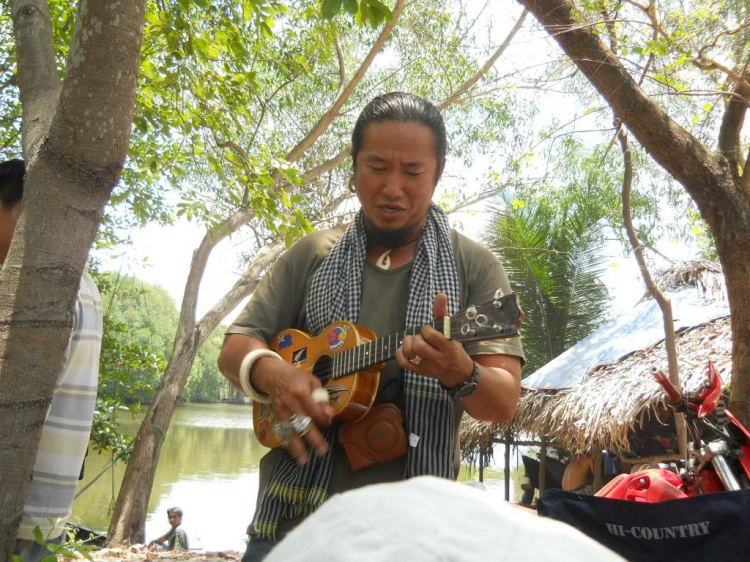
(552, 254)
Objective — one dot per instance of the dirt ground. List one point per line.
(139, 552)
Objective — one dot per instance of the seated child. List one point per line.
(176, 538)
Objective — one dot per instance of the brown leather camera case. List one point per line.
(378, 437)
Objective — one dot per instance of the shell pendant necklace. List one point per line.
(384, 260)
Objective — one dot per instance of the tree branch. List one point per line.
(474, 199)
(729, 143)
(486, 66)
(664, 304)
(701, 61)
(11, 81)
(450, 100)
(340, 59)
(346, 92)
(248, 281)
(38, 80)
(326, 166)
(245, 285)
(198, 267)
(683, 156)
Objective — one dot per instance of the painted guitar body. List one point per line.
(351, 395)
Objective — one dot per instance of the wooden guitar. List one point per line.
(347, 358)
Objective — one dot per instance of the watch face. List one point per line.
(467, 390)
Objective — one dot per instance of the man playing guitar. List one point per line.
(397, 266)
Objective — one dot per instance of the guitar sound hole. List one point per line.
(323, 368)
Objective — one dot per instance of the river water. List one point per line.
(209, 468)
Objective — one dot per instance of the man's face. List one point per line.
(395, 178)
(174, 519)
(8, 219)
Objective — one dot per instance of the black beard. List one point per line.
(390, 239)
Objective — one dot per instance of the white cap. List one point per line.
(429, 519)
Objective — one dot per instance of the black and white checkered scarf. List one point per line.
(336, 294)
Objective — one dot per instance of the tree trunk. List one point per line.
(129, 518)
(38, 81)
(68, 182)
(711, 178)
(734, 249)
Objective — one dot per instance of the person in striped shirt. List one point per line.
(66, 431)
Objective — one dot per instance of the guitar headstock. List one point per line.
(499, 318)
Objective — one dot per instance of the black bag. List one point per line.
(700, 529)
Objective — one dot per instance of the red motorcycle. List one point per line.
(719, 450)
(710, 517)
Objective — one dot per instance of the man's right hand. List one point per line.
(291, 393)
(289, 388)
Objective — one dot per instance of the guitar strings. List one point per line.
(323, 369)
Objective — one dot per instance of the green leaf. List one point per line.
(153, 19)
(351, 7)
(83, 549)
(50, 558)
(65, 552)
(39, 536)
(380, 10)
(202, 45)
(173, 40)
(331, 8)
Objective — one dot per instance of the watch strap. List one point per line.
(466, 387)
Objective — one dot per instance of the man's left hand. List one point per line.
(431, 354)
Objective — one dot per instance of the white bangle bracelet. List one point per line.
(246, 366)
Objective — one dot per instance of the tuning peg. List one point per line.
(499, 294)
(471, 312)
(497, 304)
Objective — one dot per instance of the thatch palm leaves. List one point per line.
(553, 257)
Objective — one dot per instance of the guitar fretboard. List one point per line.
(373, 352)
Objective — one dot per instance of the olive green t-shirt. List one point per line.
(280, 300)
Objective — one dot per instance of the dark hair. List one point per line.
(399, 106)
(176, 510)
(11, 182)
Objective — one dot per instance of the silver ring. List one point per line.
(283, 431)
(300, 424)
(416, 359)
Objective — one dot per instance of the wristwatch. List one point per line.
(465, 388)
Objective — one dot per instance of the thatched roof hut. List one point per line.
(611, 400)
